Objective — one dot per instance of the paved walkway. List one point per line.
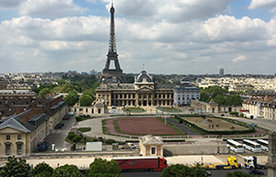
(84, 162)
(96, 128)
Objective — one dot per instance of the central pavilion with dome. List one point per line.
(143, 93)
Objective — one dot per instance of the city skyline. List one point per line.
(191, 37)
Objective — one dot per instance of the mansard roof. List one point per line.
(144, 76)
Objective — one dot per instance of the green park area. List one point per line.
(133, 109)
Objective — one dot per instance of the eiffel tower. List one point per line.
(112, 75)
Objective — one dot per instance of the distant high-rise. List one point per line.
(221, 71)
(112, 74)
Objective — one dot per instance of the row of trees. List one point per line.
(17, 167)
(218, 95)
(85, 85)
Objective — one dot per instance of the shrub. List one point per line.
(77, 139)
(71, 136)
(84, 129)
(110, 141)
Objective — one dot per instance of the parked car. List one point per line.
(66, 117)
(59, 125)
(256, 172)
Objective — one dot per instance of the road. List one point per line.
(214, 173)
(182, 127)
(58, 136)
(264, 123)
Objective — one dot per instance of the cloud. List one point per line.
(168, 10)
(9, 4)
(239, 58)
(50, 8)
(266, 4)
(228, 28)
(186, 46)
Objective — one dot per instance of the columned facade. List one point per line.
(142, 93)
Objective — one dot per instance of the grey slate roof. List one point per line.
(15, 124)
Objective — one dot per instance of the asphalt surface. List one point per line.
(57, 136)
(214, 173)
(265, 123)
(182, 127)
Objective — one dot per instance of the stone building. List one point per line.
(21, 132)
(264, 107)
(183, 94)
(3, 83)
(212, 107)
(151, 146)
(143, 92)
(97, 108)
(271, 172)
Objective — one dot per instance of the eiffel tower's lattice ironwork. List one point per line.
(115, 73)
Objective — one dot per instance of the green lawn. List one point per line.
(133, 109)
(170, 109)
(84, 129)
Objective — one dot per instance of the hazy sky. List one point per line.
(167, 36)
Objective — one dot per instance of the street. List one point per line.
(214, 173)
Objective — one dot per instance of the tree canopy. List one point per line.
(179, 170)
(104, 167)
(42, 170)
(67, 171)
(15, 167)
(86, 100)
(72, 98)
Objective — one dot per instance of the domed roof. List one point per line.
(144, 76)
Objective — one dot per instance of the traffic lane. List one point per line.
(57, 136)
(221, 173)
(264, 123)
(214, 173)
(141, 174)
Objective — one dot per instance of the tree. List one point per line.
(177, 170)
(204, 97)
(85, 100)
(198, 170)
(67, 171)
(104, 167)
(16, 167)
(233, 100)
(239, 174)
(76, 138)
(71, 98)
(42, 170)
(219, 99)
(43, 92)
(180, 170)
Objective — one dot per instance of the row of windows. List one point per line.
(188, 97)
(8, 137)
(18, 149)
(129, 96)
(87, 110)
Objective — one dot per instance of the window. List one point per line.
(86, 110)
(8, 149)
(18, 137)
(153, 150)
(19, 149)
(8, 137)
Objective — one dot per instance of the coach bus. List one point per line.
(235, 146)
(252, 146)
(263, 143)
